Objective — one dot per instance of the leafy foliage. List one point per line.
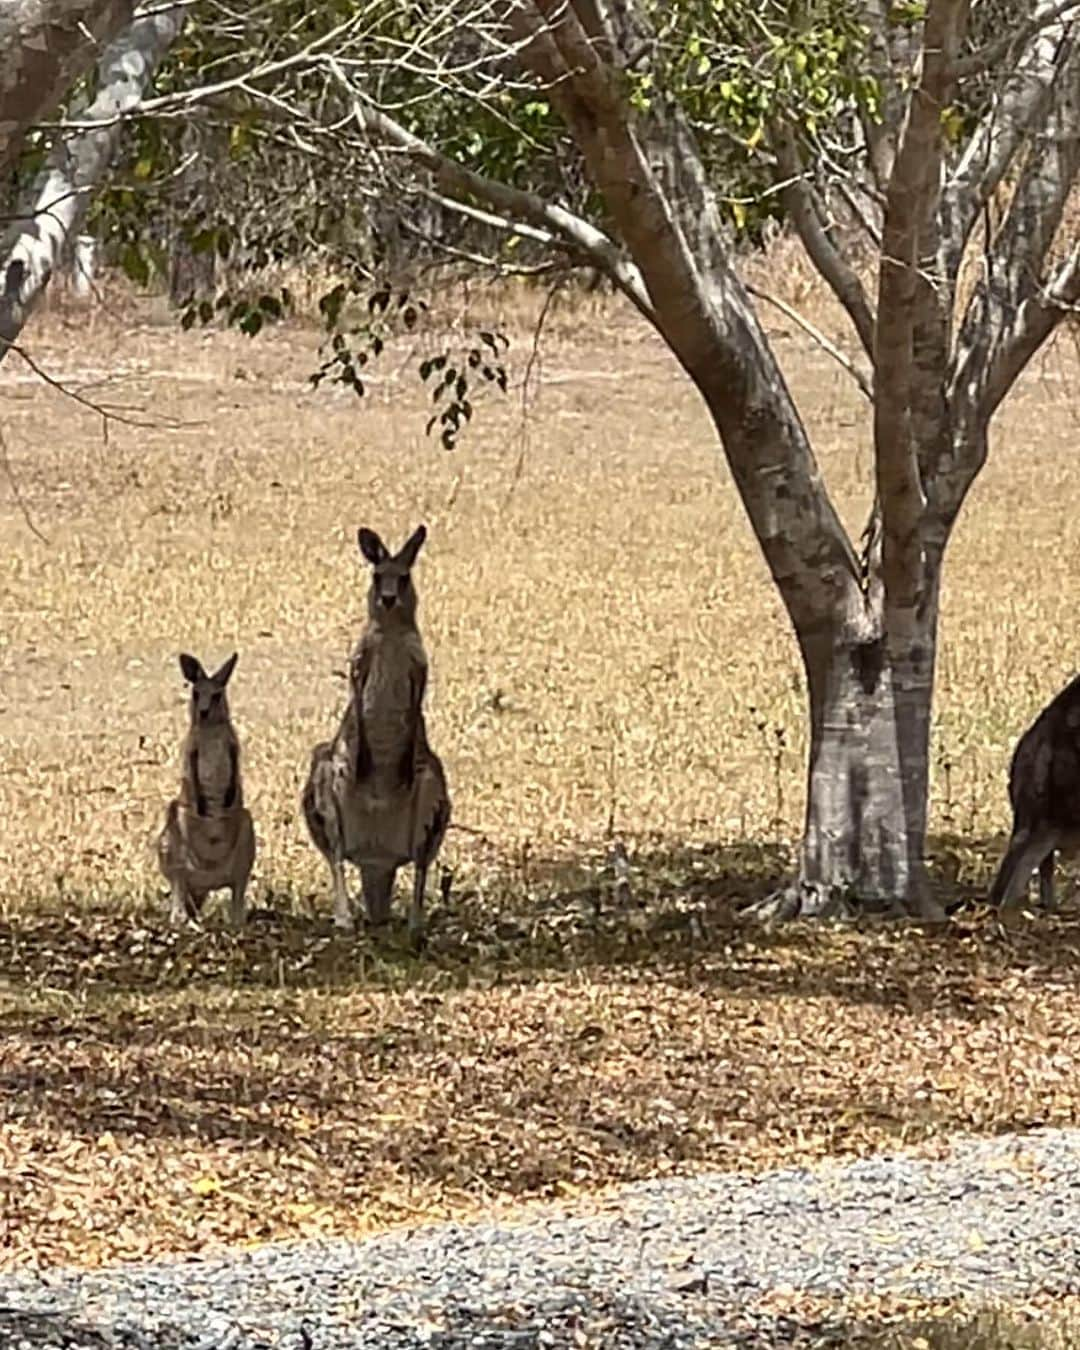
(353, 343)
(273, 172)
(736, 69)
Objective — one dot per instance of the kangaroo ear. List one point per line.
(371, 546)
(191, 668)
(412, 546)
(221, 677)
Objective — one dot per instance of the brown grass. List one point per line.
(608, 654)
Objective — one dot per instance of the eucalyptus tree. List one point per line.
(639, 137)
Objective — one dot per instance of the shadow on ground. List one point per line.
(572, 1037)
(676, 912)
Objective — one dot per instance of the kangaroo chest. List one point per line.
(386, 700)
(215, 766)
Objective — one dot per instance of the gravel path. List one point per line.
(666, 1264)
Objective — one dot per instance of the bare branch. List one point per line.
(1004, 49)
(1035, 320)
(825, 343)
(801, 202)
(107, 412)
(1012, 311)
(1019, 107)
(455, 179)
(13, 482)
(513, 227)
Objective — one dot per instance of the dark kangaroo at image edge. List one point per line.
(1044, 792)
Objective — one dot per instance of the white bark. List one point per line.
(1019, 108)
(1015, 306)
(45, 45)
(865, 826)
(83, 266)
(46, 224)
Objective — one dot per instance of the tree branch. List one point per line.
(647, 165)
(1019, 106)
(811, 330)
(888, 52)
(61, 195)
(801, 203)
(1004, 49)
(456, 179)
(1035, 320)
(910, 206)
(1011, 312)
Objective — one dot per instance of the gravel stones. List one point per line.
(672, 1263)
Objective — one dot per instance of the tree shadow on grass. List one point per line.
(675, 912)
(692, 1040)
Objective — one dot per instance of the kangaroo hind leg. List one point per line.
(1028, 849)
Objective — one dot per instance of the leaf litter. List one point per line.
(163, 1094)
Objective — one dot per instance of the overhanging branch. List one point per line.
(457, 180)
(647, 164)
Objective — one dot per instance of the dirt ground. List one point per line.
(608, 658)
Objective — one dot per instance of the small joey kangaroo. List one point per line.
(208, 841)
(376, 795)
(1044, 791)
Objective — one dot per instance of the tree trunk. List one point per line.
(41, 233)
(868, 780)
(45, 45)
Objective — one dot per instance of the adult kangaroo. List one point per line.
(376, 794)
(1044, 792)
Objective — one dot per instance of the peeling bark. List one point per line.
(60, 197)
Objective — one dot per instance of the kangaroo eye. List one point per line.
(403, 582)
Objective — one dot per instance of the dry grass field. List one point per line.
(608, 659)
